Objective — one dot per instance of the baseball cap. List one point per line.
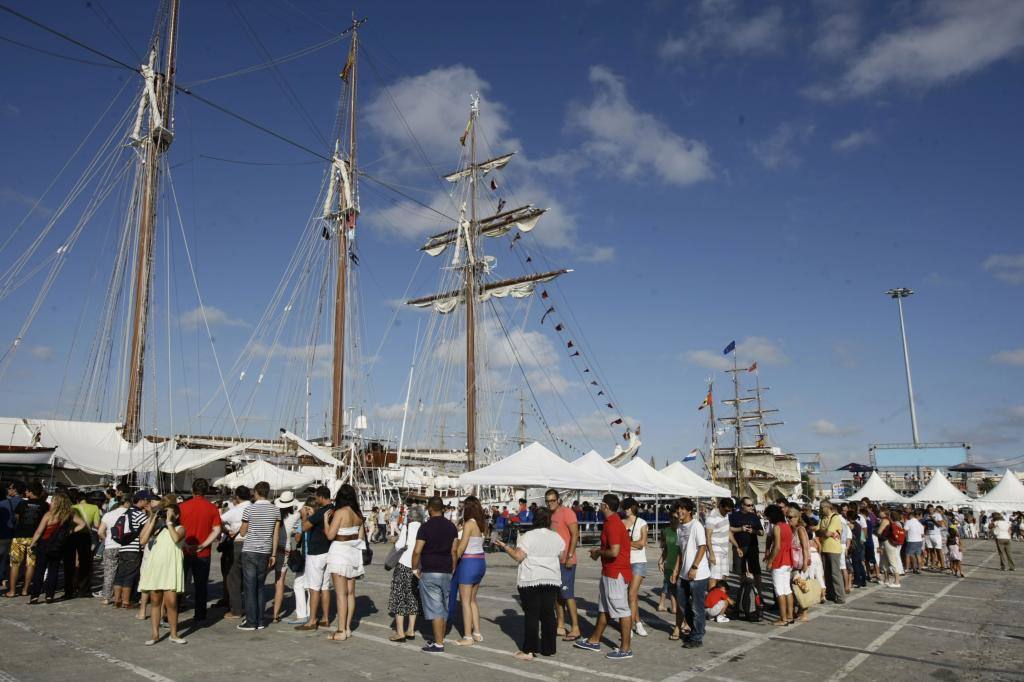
(143, 495)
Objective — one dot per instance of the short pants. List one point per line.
(613, 597)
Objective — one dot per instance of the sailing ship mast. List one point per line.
(157, 98)
(468, 233)
(342, 223)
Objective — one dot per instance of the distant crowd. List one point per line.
(155, 556)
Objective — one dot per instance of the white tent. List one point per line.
(1007, 496)
(534, 467)
(940, 491)
(680, 473)
(254, 472)
(615, 479)
(663, 485)
(877, 490)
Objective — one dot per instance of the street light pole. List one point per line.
(899, 294)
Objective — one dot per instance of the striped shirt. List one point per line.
(262, 517)
(136, 519)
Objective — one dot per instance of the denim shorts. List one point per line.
(434, 591)
(568, 590)
(914, 548)
(639, 569)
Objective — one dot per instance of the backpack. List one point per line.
(748, 606)
(56, 542)
(123, 532)
(897, 534)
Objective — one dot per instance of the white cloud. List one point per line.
(839, 28)
(193, 319)
(823, 427)
(1013, 357)
(752, 349)
(44, 353)
(945, 40)
(1006, 267)
(9, 195)
(532, 349)
(435, 107)
(1016, 412)
(544, 381)
(10, 110)
(597, 428)
(632, 143)
(722, 26)
(778, 149)
(855, 140)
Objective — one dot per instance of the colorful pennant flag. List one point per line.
(706, 403)
(546, 313)
(544, 293)
(730, 348)
(494, 185)
(692, 455)
(570, 345)
(752, 368)
(465, 134)
(558, 327)
(501, 205)
(617, 421)
(574, 354)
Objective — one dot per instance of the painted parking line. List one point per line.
(539, 659)
(447, 656)
(889, 632)
(102, 655)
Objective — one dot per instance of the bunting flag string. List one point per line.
(501, 205)
(519, 235)
(546, 313)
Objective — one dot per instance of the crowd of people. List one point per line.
(710, 559)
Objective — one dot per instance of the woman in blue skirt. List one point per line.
(469, 552)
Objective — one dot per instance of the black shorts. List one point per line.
(128, 564)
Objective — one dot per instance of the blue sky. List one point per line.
(715, 170)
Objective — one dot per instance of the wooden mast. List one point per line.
(470, 296)
(346, 222)
(156, 143)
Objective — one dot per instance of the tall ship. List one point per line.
(748, 462)
(470, 364)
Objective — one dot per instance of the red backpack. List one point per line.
(897, 535)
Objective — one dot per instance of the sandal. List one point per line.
(465, 641)
(477, 637)
(338, 636)
(560, 632)
(674, 637)
(522, 656)
(397, 638)
(307, 627)
(570, 637)
(780, 624)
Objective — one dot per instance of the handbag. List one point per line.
(807, 595)
(296, 561)
(367, 550)
(395, 555)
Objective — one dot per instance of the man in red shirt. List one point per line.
(201, 520)
(613, 592)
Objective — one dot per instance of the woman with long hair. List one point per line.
(801, 550)
(51, 542)
(637, 529)
(891, 562)
(163, 575)
(780, 560)
(347, 533)
(470, 570)
(288, 508)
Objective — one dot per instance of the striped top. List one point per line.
(136, 519)
(262, 517)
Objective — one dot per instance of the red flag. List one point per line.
(752, 368)
(706, 403)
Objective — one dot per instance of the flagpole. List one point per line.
(714, 436)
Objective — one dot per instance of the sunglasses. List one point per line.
(551, 501)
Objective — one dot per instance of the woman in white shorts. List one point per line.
(637, 529)
(345, 556)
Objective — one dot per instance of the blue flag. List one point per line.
(730, 348)
(692, 455)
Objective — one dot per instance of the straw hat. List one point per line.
(287, 499)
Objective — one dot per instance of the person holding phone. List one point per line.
(163, 576)
(746, 527)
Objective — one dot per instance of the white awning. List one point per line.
(533, 466)
(663, 485)
(680, 473)
(616, 479)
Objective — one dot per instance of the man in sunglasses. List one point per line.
(563, 522)
(746, 527)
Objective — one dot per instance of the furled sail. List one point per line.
(524, 218)
(519, 287)
(497, 163)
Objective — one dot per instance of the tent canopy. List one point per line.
(1008, 495)
(534, 467)
(663, 485)
(877, 490)
(254, 472)
(615, 479)
(680, 473)
(940, 491)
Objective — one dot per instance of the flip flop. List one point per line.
(570, 638)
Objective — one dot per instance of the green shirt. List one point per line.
(90, 513)
(671, 551)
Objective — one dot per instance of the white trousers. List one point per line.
(301, 597)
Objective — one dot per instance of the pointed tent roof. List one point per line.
(254, 472)
(679, 472)
(877, 490)
(1008, 495)
(663, 485)
(940, 491)
(616, 478)
(534, 467)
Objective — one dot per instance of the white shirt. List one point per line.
(915, 530)
(637, 556)
(107, 521)
(719, 527)
(231, 520)
(690, 537)
(543, 547)
(1001, 529)
(407, 539)
(940, 523)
